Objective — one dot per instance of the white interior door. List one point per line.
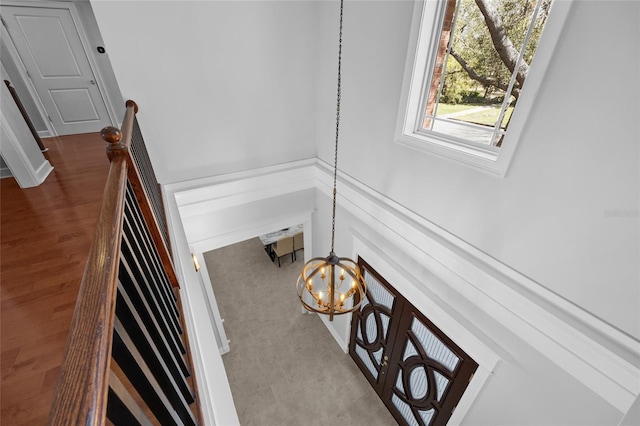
(50, 47)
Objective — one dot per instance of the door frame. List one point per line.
(402, 315)
(84, 40)
(404, 282)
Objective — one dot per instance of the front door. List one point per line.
(52, 52)
(417, 371)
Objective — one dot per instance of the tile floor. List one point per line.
(284, 367)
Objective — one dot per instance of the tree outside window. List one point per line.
(484, 52)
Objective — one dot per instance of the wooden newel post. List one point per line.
(113, 136)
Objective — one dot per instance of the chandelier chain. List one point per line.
(335, 156)
(319, 284)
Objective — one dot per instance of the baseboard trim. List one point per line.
(43, 171)
(5, 173)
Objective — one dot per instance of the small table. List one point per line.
(269, 239)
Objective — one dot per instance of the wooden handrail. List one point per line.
(25, 115)
(128, 307)
(81, 393)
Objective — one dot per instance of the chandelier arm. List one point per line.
(335, 156)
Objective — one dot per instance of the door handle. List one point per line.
(386, 358)
(92, 82)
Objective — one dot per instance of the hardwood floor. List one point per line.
(45, 233)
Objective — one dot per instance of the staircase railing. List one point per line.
(127, 356)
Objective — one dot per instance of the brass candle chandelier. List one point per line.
(332, 285)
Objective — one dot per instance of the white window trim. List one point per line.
(491, 160)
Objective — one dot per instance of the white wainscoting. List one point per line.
(588, 348)
(213, 386)
(596, 354)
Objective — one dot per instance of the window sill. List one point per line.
(485, 159)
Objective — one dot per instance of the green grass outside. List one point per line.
(487, 116)
(449, 108)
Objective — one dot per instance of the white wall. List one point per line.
(231, 86)
(222, 86)
(578, 157)
(109, 86)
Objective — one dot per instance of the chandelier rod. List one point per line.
(335, 157)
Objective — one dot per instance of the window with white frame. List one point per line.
(466, 74)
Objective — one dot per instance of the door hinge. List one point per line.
(454, 409)
(49, 117)
(470, 378)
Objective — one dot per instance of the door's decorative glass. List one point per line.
(373, 325)
(433, 347)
